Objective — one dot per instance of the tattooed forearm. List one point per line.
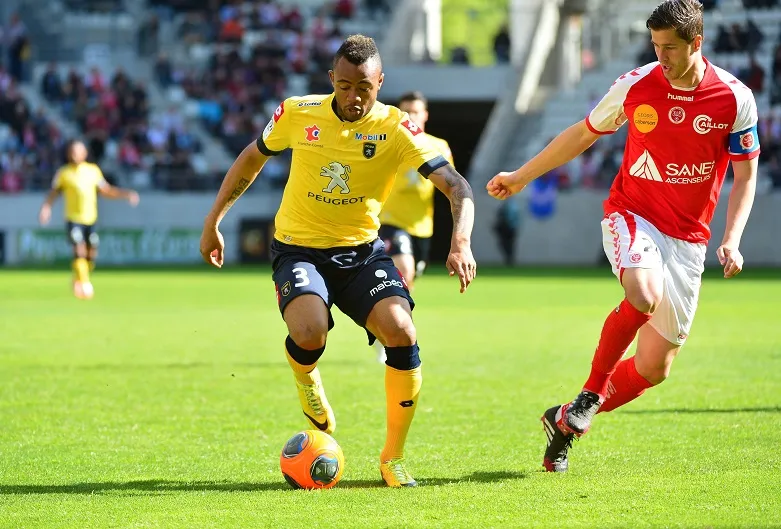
(237, 191)
(462, 206)
(238, 178)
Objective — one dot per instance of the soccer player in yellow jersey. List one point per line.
(407, 217)
(80, 182)
(347, 147)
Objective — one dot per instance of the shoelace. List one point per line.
(397, 468)
(313, 398)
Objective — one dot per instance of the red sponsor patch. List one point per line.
(635, 257)
(279, 298)
(403, 281)
(410, 126)
(312, 133)
(747, 140)
(279, 111)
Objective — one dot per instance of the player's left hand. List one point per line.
(731, 258)
(460, 261)
(212, 246)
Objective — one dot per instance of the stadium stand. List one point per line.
(167, 120)
(742, 39)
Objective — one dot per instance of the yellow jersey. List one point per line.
(410, 205)
(79, 185)
(341, 171)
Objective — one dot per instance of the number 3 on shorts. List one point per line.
(302, 279)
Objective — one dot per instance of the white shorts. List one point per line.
(630, 241)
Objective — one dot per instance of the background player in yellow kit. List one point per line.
(80, 182)
(347, 147)
(407, 217)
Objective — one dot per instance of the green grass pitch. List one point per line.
(165, 402)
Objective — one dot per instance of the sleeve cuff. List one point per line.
(744, 156)
(432, 165)
(265, 150)
(595, 131)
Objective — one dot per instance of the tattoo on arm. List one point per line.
(461, 200)
(237, 191)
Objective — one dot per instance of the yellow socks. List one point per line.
(81, 270)
(303, 373)
(402, 389)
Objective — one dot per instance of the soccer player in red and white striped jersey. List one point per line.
(688, 119)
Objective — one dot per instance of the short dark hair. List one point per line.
(409, 97)
(68, 147)
(358, 49)
(684, 16)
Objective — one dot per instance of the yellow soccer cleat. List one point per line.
(315, 404)
(396, 475)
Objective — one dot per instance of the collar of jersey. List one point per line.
(333, 107)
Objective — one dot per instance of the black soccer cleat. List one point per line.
(558, 442)
(577, 415)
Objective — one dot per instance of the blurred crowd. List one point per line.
(255, 49)
(30, 145)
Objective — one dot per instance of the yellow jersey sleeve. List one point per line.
(415, 149)
(97, 175)
(276, 135)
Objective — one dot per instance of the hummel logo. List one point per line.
(322, 426)
(645, 167)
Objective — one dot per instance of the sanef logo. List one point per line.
(645, 167)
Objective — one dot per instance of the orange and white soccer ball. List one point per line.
(312, 460)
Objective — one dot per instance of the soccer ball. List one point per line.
(312, 460)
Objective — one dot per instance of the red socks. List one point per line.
(625, 385)
(619, 330)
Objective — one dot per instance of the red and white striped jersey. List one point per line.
(678, 146)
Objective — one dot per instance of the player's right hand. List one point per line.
(45, 215)
(504, 185)
(212, 246)
(133, 198)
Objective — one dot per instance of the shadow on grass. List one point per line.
(161, 486)
(768, 409)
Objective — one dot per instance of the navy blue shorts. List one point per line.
(354, 278)
(82, 233)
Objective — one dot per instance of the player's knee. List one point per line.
(80, 251)
(645, 298)
(303, 355)
(400, 333)
(310, 336)
(654, 372)
(656, 375)
(403, 358)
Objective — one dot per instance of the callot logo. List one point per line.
(339, 175)
(703, 124)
